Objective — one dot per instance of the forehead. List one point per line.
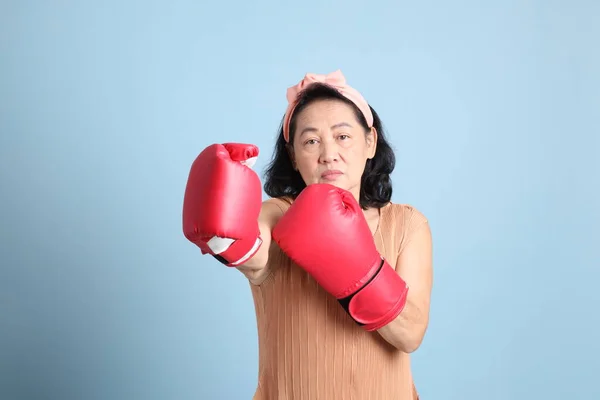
(326, 111)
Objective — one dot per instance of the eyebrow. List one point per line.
(312, 129)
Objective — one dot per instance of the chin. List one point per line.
(337, 183)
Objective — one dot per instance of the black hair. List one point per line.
(282, 180)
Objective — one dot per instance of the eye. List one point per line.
(344, 137)
(310, 141)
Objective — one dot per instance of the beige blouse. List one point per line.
(309, 348)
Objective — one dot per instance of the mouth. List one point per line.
(331, 175)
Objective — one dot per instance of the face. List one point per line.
(330, 145)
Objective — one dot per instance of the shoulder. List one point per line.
(405, 215)
(274, 208)
(277, 203)
(404, 221)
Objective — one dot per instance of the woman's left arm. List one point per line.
(415, 266)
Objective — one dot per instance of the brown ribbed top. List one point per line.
(310, 349)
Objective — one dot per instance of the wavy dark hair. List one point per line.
(282, 180)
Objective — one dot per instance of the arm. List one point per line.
(414, 265)
(255, 269)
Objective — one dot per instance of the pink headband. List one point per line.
(337, 81)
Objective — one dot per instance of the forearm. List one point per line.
(256, 267)
(407, 330)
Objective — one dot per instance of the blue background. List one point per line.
(493, 108)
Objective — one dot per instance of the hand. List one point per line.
(325, 233)
(223, 197)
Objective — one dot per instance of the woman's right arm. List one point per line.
(256, 268)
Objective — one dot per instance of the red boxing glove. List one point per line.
(222, 202)
(325, 233)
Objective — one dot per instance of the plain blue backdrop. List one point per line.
(493, 108)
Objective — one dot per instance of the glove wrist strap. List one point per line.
(379, 301)
(238, 252)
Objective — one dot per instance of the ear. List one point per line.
(371, 143)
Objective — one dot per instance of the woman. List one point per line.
(341, 276)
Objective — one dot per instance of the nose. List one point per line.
(329, 152)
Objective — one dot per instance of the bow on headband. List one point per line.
(337, 81)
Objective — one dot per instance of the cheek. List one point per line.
(307, 164)
(355, 157)
(356, 160)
